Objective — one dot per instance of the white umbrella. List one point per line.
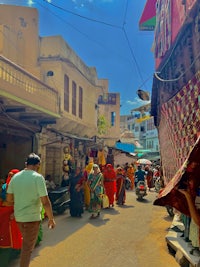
(144, 161)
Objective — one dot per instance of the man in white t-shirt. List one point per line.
(27, 191)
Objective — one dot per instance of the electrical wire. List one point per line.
(133, 56)
(83, 17)
(129, 45)
(121, 28)
(147, 79)
(111, 25)
(102, 45)
(180, 76)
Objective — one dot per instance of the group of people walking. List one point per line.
(88, 189)
(25, 192)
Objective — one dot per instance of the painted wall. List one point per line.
(170, 16)
(20, 31)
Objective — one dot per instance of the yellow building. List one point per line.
(50, 99)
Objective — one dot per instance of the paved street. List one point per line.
(128, 236)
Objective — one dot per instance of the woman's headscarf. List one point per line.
(88, 168)
(120, 170)
(10, 175)
(109, 172)
(97, 167)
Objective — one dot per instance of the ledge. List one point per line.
(179, 247)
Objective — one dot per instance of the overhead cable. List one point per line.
(81, 16)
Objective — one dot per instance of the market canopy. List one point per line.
(125, 147)
(148, 19)
(170, 195)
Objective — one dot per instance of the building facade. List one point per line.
(175, 91)
(141, 124)
(49, 97)
(175, 105)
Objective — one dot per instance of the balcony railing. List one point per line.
(22, 87)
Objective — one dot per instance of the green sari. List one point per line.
(96, 189)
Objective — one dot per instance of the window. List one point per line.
(80, 102)
(73, 98)
(66, 93)
(150, 124)
(113, 114)
(142, 129)
(150, 144)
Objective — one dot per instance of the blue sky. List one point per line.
(104, 34)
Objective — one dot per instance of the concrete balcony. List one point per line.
(25, 98)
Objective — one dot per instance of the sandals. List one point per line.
(94, 217)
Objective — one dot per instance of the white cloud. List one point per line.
(82, 3)
(137, 102)
(30, 2)
(129, 102)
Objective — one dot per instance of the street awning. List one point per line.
(190, 170)
(129, 148)
(148, 19)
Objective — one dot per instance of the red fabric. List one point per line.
(10, 175)
(189, 171)
(149, 178)
(110, 182)
(149, 11)
(10, 236)
(109, 172)
(16, 236)
(119, 183)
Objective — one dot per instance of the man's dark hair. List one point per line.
(33, 159)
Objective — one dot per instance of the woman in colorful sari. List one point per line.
(10, 235)
(87, 171)
(109, 175)
(95, 183)
(130, 174)
(149, 177)
(121, 190)
(76, 193)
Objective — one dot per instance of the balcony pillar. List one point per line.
(40, 149)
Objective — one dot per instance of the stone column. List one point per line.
(40, 148)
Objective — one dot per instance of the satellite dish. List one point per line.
(144, 95)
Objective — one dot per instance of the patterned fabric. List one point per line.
(95, 183)
(170, 195)
(179, 126)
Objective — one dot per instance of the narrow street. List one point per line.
(130, 236)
